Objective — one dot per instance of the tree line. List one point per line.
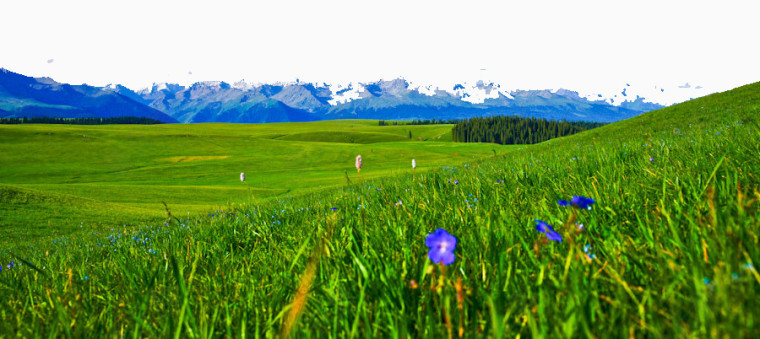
(418, 122)
(81, 121)
(510, 130)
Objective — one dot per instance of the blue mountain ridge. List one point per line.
(22, 96)
(217, 101)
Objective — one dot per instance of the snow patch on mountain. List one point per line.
(243, 85)
(668, 94)
(425, 90)
(479, 92)
(342, 94)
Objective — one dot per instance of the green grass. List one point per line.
(675, 239)
(97, 177)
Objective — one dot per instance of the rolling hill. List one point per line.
(102, 176)
(668, 248)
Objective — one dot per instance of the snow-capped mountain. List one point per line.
(242, 101)
(22, 96)
(383, 99)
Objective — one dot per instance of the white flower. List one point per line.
(242, 176)
(358, 162)
(414, 164)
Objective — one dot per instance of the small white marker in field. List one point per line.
(359, 167)
(414, 166)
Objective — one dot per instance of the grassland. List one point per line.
(674, 237)
(58, 180)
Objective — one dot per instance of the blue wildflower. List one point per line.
(587, 249)
(578, 202)
(334, 208)
(706, 281)
(442, 245)
(548, 230)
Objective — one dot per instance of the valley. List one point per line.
(58, 179)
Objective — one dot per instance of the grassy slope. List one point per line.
(675, 239)
(95, 177)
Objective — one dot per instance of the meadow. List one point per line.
(60, 180)
(669, 247)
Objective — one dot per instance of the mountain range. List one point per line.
(43, 97)
(242, 102)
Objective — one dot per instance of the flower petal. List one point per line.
(541, 226)
(448, 258)
(554, 236)
(581, 202)
(433, 239)
(435, 255)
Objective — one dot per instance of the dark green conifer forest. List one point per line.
(510, 130)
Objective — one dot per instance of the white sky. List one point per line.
(589, 46)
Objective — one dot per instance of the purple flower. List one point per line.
(548, 230)
(456, 182)
(651, 159)
(577, 202)
(442, 245)
(334, 208)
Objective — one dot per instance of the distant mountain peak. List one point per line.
(44, 97)
(242, 101)
(568, 93)
(47, 81)
(243, 85)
